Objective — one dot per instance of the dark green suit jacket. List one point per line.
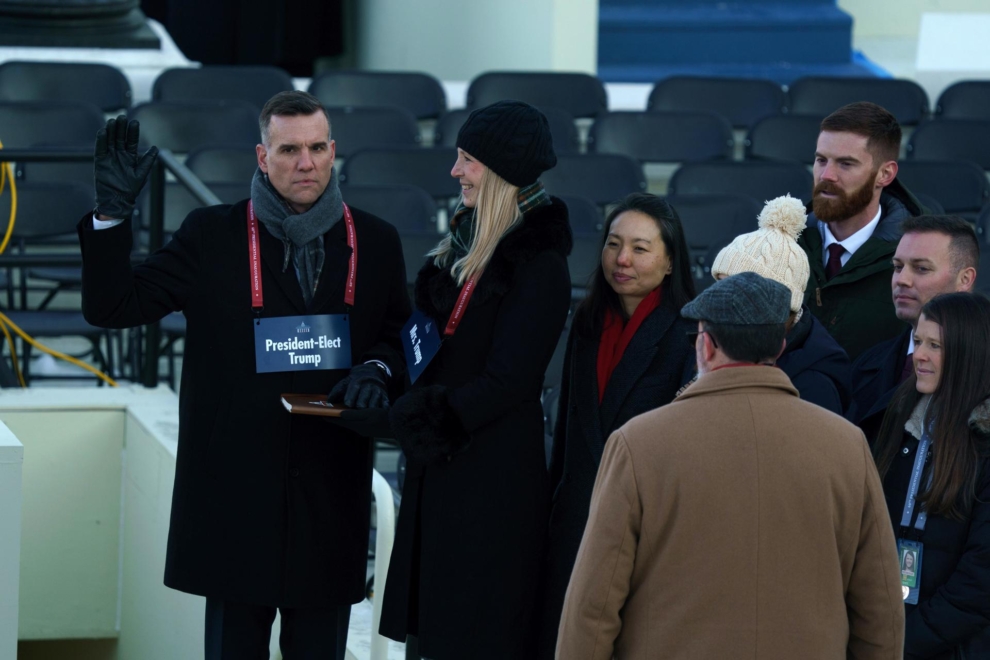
(856, 305)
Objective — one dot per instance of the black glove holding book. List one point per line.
(363, 387)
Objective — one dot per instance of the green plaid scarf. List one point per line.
(462, 223)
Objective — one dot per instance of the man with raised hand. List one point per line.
(270, 511)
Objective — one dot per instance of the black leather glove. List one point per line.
(363, 387)
(119, 172)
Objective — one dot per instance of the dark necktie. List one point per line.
(834, 265)
(908, 369)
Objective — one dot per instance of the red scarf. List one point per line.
(616, 337)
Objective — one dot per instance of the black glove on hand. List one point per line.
(120, 173)
(364, 387)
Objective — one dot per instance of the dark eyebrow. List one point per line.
(841, 159)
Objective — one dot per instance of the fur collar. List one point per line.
(543, 228)
(979, 418)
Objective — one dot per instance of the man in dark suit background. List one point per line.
(936, 254)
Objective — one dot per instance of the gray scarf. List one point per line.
(304, 231)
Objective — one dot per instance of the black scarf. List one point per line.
(305, 231)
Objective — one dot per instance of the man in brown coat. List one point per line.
(738, 521)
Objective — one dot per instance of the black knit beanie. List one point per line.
(512, 139)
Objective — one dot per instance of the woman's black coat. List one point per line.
(658, 360)
(268, 508)
(952, 618)
(466, 565)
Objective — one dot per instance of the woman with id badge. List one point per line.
(491, 302)
(932, 455)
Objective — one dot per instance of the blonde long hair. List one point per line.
(496, 213)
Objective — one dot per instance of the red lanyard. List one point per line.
(254, 257)
(462, 301)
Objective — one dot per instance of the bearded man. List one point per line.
(854, 223)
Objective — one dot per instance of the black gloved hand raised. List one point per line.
(119, 172)
(364, 387)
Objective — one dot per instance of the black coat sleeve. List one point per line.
(960, 608)
(817, 388)
(560, 427)
(388, 348)
(117, 295)
(527, 329)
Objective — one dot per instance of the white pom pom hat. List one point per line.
(772, 250)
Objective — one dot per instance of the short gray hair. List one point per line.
(290, 104)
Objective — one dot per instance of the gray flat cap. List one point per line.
(743, 299)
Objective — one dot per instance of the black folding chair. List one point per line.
(562, 129)
(100, 85)
(760, 180)
(251, 84)
(46, 210)
(580, 94)
(952, 139)
(983, 283)
(960, 187)
(419, 94)
(967, 99)
(983, 229)
(742, 101)
(602, 178)
(784, 137)
(584, 215)
(821, 96)
(354, 129)
(223, 164)
(662, 137)
(710, 218)
(411, 210)
(185, 126)
(51, 125)
(702, 272)
(179, 203)
(428, 169)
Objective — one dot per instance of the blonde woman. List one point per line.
(468, 552)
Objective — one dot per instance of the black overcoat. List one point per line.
(952, 618)
(466, 566)
(267, 508)
(876, 375)
(657, 361)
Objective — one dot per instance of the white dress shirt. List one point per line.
(852, 243)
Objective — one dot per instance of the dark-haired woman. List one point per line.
(627, 353)
(936, 434)
(469, 543)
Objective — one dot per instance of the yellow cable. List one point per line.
(62, 356)
(8, 172)
(13, 354)
(13, 205)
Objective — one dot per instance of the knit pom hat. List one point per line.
(512, 139)
(772, 250)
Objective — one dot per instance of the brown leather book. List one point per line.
(311, 404)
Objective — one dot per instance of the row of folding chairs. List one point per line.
(741, 101)
(953, 186)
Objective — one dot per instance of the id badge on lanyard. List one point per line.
(421, 339)
(910, 552)
(307, 342)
